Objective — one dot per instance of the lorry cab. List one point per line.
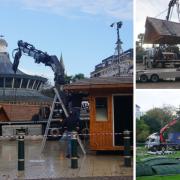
(152, 141)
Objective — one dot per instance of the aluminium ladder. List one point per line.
(57, 100)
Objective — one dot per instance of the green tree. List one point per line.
(142, 130)
(140, 52)
(157, 118)
(141, 39)
(68, 79)
(73, 78)
(78, 77)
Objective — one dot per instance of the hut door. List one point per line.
(123, 116)
(101, 124)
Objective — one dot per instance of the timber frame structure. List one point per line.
(111, 109)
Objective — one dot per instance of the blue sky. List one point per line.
(80, 29)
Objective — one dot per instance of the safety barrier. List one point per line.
(61, 135)
(20, 152)
(127, 148)
(74, 144)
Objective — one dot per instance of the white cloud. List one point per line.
(121, 9)
(150, 98)
(150, 8)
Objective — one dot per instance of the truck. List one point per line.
(156, 58)
(174, 139)
(157, 141)
(164, 36)
(154, 75)
(39, 121)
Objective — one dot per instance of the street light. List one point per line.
(118, 25)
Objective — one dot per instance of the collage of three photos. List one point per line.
(90, 89)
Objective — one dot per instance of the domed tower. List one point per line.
(3, 45)
(19, 93)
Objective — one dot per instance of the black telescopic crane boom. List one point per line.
(40, 57)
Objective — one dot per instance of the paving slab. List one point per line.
(52, 164)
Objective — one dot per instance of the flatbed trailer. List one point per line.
(154, 75)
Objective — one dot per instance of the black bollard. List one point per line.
(74, 158)
(127, 148)
(20, 152)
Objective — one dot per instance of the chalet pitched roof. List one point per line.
(100, 83)
(161, 31)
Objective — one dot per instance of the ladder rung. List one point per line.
(58, 119)
(51, 117)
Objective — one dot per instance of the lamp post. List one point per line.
(118, 25)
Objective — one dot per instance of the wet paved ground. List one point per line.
(53, 164)
(159, 85)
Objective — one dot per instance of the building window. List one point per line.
(36, 84)
(1, 82)
(31, 84)
(101, 109)
(17, 82)
(39, 86)
(24, 83)
(8, 82)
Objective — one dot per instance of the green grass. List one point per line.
(141, 153)
(176, 177)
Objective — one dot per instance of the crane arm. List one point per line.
(40, 57)
(170, 6)
(167, 126)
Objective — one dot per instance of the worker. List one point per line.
(71, 124)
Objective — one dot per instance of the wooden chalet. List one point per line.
(111, 109)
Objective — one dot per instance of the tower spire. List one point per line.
(62, 62)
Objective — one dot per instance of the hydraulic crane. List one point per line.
(65, 101)
(165, 128)
(157, 140)
(59, 106)
(40, 57)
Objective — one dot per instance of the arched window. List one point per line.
(31, 83)
(36, 84)
(24, 83)
(39, 85)
(1, 82)
(8, 82)
(17, 82)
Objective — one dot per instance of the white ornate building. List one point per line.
(115, 66)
